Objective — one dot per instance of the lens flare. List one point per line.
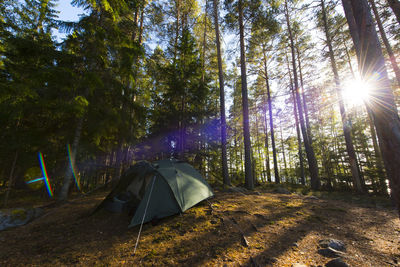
(45, 176)
(356, 91)
(35, 180)
(72, 167)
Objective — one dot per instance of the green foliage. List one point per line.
(141, 76)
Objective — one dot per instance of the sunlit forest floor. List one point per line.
(280, 229)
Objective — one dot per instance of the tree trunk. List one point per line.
(301, 160)
(10, 180)
(68, 172)
(283, 153)
(385, 40)
(135, 20)
(381, 102)
(378, 157)
(348, 58)
(312, 162)
(225, 173)
(358, 186)
(271, 122)
(258, 147)
(395, 6)
(141, 26)
(203, 52)
(303, 94)
(266, 139)
(353, 28)
(246, 124)
(118, 162)
(178, 7)
(295, 109)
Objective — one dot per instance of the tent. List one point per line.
(157, 190)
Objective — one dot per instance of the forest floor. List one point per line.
(280, 230)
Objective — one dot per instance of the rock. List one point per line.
(18, 217)
(295, 245)
(299, 265)
(332, 243)
(338, 262)
(330, 252)
(282, 190)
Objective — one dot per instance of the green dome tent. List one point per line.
(157, 190)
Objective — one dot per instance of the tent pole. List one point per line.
(144, 215)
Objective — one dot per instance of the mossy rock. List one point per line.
(18, 217)
(19, 214)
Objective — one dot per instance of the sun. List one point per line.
(356, 91)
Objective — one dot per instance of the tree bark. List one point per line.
(245, 105)
(348, 58)
(303, 94)
(295, 109)
(68, 172)
(353, 28)
(378, 157)
(258, 147)
(385, 40)
(141, 25)
(381, 102)
(10, 180)
(203, 52)
(283, 153)
(266, 145)
(312, 162)
(271, 121)
(301, 160)
(178, 8)
(358, 186)
(225, 174)
(118, 162)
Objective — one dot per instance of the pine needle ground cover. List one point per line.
(236, 229)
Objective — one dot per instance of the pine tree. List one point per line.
(225, 174)
(313, 166)
(346, 124)
(381, 104)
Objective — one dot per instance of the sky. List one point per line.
(67, 13)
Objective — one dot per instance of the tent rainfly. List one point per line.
(157, 190)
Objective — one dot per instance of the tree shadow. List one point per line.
(317, 221)
(64, 235)
(227, 234)
(69, 236)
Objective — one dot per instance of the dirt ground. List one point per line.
(280, 230)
